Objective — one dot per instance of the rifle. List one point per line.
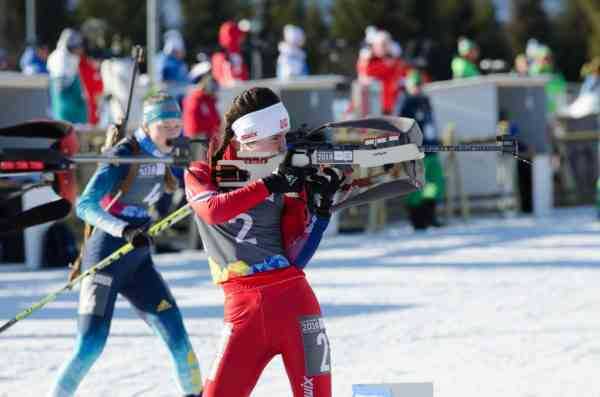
(397, 148)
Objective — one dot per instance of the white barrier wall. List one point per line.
(23, 98)
(473, 105)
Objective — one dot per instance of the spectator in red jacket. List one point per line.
(228, 65)
(381, 61)
(89, 71)
(200, 115)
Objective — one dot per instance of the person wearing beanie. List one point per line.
(171, 69)
(66, 93)
(556, 87)
(201, 119)
(381, 61)
(422, 204)
(228, 64)
(465, 64)
(34, 58)
(116, 204)
(292, 58)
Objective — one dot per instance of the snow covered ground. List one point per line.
(492, 308)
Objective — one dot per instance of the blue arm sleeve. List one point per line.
(88, 206)
(316, 227)
(178, 173)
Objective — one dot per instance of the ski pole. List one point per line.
(154, 230)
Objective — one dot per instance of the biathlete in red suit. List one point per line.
(258, 239)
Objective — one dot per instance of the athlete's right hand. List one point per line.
(137, 235)
(287, 178)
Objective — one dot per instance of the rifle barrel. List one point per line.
(85, 159)
(461, 148)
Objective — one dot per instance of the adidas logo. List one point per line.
(163, 305)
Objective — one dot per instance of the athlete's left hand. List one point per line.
(326, 185)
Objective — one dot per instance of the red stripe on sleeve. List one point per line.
(215, 208)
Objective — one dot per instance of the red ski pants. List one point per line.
(282, 317)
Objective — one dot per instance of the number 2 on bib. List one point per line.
(247, 223)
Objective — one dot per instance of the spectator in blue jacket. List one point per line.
(171, 70)
(33, 60)
(292, 58)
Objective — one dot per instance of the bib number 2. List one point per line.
(247, 223)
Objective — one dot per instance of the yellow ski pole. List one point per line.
(154, 230)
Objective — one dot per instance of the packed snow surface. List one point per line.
(493, 307)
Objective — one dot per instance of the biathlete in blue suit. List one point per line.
(119, 217)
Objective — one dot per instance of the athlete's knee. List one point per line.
(170, 326)
(91, 342)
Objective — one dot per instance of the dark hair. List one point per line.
(249, 101)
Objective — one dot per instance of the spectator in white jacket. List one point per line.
(292, 58)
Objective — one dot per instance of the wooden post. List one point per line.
(454, 185)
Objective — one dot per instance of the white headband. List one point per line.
(262, 124)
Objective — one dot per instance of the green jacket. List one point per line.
(435, 186)
(462, 67)
(556, 90)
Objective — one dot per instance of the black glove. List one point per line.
(287, 178)
(137, 235)
(326, 188)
